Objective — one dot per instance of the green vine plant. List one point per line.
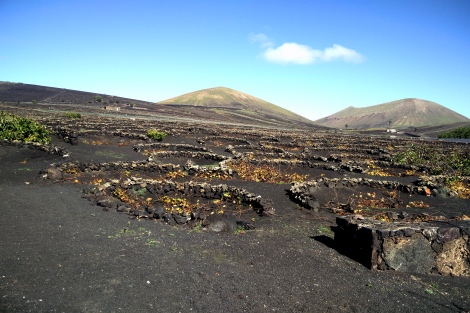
(455, 164)
(13, 127)
(156, 135)
(73, 115)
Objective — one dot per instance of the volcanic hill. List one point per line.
(237, 106)
(19, 92)
(214, 105)
(400, 114)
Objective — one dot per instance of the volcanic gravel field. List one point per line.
(207, 220)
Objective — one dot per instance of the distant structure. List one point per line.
(112, 108)
(391, 130)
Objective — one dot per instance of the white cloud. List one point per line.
(295, 53)
(292, 53)
(262, 39)
(340, 52)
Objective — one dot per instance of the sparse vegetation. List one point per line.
(139, 192)
(375, 170)
(175, 174)
(264, 173)
(364, 202)
(178, 206)
(240, 230)
(13, 127)
(174, 204)
(459, 186)
(454, 162)
(197, 228)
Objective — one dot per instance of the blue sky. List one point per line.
(312, 57)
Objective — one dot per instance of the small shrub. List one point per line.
(73, 115)
(98, 98)
(123, 195)
(13, 127)
(240, 230)
(138, 192)
(156, 135)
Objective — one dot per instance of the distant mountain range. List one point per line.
(396, 114)
(215, 105)
(225, 105)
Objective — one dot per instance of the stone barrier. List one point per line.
(434, 247)
(50, 149)
(303, 193)
(145, 166)
(187, 154)
(158, 145)
(108, 194)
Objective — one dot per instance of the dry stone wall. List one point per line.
(303, 192)
(50, 149)
(109, 195)
(436, 247)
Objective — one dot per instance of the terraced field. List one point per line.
(280, 187)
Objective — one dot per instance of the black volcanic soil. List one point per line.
(63, 253)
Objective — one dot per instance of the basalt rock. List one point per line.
(52, 173)
(439, 247)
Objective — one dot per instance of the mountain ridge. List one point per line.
(403, 113)
(22, 92)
